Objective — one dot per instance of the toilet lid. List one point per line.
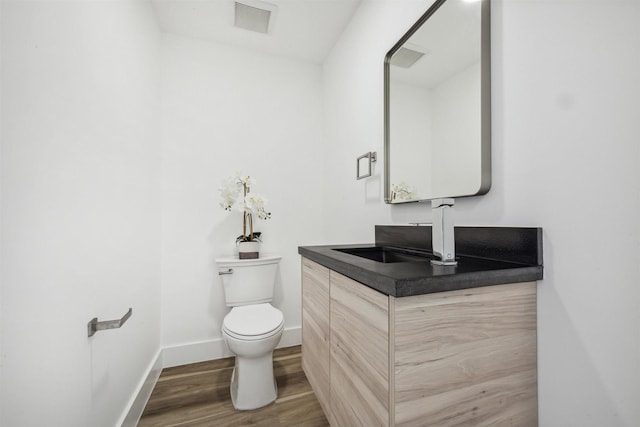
(252, 320)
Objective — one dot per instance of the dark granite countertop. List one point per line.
(509, 261)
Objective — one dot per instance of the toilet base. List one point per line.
(253, 383)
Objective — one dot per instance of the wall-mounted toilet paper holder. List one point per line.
(94, 326)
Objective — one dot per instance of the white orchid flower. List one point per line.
(402, 192)
(229, 193)
(235, 192)
(255, 204)
(245, 180)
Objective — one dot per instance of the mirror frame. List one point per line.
(485, 101)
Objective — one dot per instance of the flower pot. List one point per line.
(248, 250)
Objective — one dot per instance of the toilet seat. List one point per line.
(253, 322)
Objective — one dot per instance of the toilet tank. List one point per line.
(248, 281)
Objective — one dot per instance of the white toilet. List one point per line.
(252, 329)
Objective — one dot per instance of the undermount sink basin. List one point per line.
(387, 254)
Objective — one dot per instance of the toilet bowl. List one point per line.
(252, 332)
(252, 329)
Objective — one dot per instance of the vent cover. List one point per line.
(254, 16)
(405, 57)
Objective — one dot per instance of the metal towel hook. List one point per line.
(94, 326)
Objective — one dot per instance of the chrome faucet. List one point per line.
(443, 237)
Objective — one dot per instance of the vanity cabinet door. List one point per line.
(315, 329)
(467, 357)
(359, 354)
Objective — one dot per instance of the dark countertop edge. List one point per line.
(457, 282)
(418, 286)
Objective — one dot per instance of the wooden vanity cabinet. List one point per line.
(465, 357)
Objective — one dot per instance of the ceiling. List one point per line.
(451, 40)
(302, 29)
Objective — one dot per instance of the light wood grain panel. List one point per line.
(505, 401)
(463, 365)
(500, 308)
(316, 329)
(466, 315)
(392, 359)
(315, 292)
(452, 348)
(359, 354)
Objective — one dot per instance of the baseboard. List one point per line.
(139, 401)
(216, 349)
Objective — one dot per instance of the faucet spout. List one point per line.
(443, 237)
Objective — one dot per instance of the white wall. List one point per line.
(457, 128)
(410, 118)
(565, 157)
(1, 222)
(448, 113)
(80, 208)
(225, 110)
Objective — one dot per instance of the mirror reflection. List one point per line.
(437, 105)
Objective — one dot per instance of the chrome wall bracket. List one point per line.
(94, 326)
(371, 156)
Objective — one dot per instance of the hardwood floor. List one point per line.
(198, 395)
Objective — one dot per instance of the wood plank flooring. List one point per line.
(198, 395)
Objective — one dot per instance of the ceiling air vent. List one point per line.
(405, 57)
(255, 16)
